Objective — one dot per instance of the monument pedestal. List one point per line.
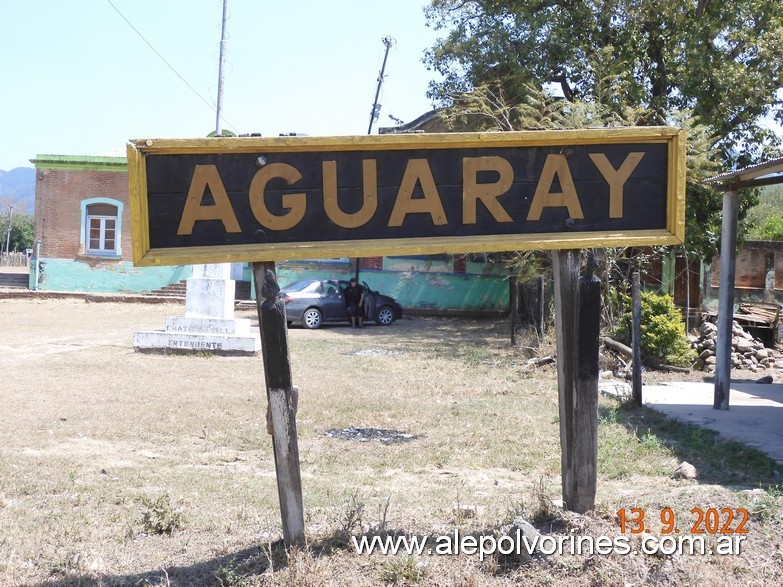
(209, 324)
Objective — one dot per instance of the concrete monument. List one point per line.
(209, 324)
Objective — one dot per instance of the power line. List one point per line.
(171, 67)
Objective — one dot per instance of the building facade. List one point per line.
(82, 220)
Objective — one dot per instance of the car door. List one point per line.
(333, 301)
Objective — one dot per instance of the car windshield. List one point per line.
(306, 285)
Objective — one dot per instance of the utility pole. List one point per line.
(388, 42)
(221, 63)
(10, 224)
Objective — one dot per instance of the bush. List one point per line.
(160, 516)
(772, 228)
(663, 340)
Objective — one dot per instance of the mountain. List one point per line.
(19, 183)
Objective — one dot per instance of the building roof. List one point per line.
(80, 162)
(767, 173)
(427, 122)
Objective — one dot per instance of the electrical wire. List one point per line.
(171, 67)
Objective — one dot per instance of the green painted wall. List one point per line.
(413, 289)
(119, 277)
(417, 289)
(441, 291)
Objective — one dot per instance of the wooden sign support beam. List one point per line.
(578, 313)
(513, 302)
(282, 398)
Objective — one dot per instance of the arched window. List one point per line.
(101, 220)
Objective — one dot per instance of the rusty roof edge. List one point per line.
(771, 167)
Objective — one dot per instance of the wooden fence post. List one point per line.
(513, 302)
(636, 339)
(578, 314)
(541, 306)
(282, 399)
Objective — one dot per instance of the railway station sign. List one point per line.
(254, 199)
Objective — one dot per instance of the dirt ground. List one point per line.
(124, 468)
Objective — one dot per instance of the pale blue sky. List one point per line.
(79, 81)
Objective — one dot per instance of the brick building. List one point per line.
(758, 274)
(82, 220)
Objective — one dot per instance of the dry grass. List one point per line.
(119, 468)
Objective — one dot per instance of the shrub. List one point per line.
(663, 339)
(160, 516)
(772, 228)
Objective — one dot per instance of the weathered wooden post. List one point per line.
(578, 313)
(513, 302)
(636, 339)
(540, 305)
(282, 399)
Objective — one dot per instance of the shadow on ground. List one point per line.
(250, 563)
(222, 570)
(719, 460)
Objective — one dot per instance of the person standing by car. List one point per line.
(353, 300)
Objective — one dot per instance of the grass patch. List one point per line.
(402, 571)
(228, 576)
(189, 433)
(765, 504)
(661, 443)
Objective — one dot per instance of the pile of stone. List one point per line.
(746, 352)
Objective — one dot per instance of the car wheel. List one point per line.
(384, 316)
(312, 318)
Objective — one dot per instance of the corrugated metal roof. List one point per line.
(768, 168)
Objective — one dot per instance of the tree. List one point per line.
(767, 217)
(22, 229)
(22, 232)
(707, 66)
(717, 59)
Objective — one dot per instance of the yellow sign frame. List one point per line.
(144, 255)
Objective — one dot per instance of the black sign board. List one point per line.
(250, 199)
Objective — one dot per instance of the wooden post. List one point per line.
(585, 439)
(728, 261)
(540, 305)
(282, 399)
(636, 339)
(578, 305)
(513, 302)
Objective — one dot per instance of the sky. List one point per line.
(78, 80)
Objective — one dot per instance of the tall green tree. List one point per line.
(712, 67)
(720, 60)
